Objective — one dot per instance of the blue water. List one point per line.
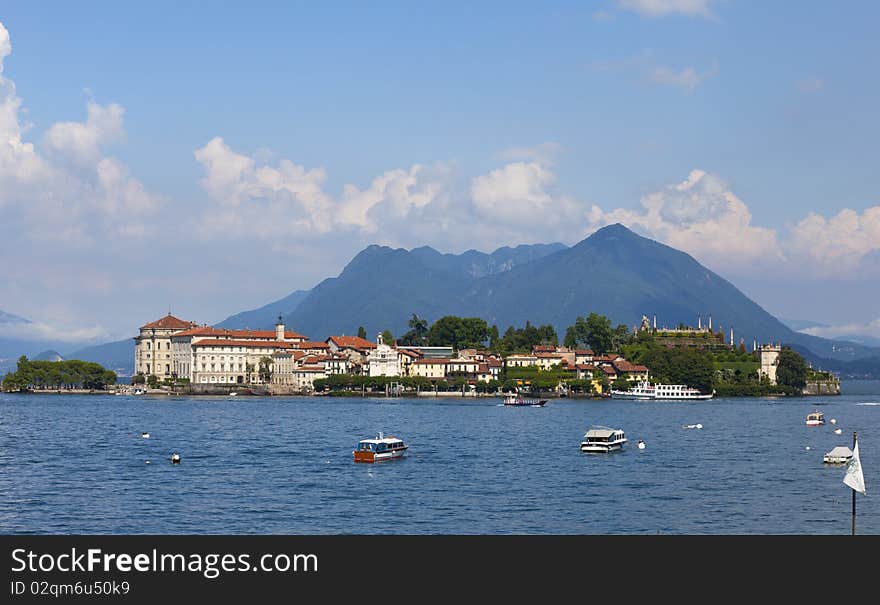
(77, 464)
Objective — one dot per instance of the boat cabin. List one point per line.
(603, 439)
(816, 418)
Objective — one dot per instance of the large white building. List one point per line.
(383, 360)
(769, 361)
(153, 346)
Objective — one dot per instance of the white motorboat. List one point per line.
(603, 439)
(839, 455)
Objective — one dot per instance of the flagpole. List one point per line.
(855, 436)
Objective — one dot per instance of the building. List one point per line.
(152, 347)
(769, 361)
(630, 371)
(520, 361)
(430, 368)
(355, 348)
(383, 360)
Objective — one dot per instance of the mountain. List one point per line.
(382, 287)
(266, 316)
(614, 272)
(117, 356)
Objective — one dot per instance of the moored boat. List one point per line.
(379, 449)
(603, 439)
(839, 455)
(816, 418)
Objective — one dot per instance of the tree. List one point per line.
(595, 331)
(138, 379)
(494, 338)
(620, 383)
(791, 369)
(266, 369)
(362, 333)
(418, 332)
(388, 338)
(461, 333)
(620, 337)
(547, 335)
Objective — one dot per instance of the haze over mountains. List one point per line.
(614, 272)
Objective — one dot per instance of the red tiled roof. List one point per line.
(609, 370)
(584, 352)
(223, 333)
(312, 345)
(548, 355)
(351, 342)
(544, 349)
(495, 363)
(254, 344)
(483, 368)
(586, 367)
(625, 366)
(169, 322)
(408, 353)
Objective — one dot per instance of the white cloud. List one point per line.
(44, 332)
(662, 8)
(869, 329)
(686, 78)
(837, 245)
(703, 217)
(75, 194)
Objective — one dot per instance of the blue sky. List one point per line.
(178, 147)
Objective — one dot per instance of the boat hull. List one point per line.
(592, 448)
(534, 404)
(815, 422)
(363, 456)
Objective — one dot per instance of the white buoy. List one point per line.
(699, 426)
(145, 435)
(834, 421)
(148, 462)
(641, 444)
(175, 458)
(838, 431)
(808, 448)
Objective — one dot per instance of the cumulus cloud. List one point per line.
(662, 8)
(702, 216)
(837, 245)
(73, 193)
(686, 78)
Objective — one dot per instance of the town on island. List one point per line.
(454, 356)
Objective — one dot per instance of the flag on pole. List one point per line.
(854, 477)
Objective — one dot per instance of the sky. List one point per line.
(206, 158)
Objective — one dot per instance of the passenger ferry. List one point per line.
(603, 439)
(816, 418)
(647, 391)
(379, 449)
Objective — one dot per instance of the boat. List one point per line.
(379, 449)
(138, 392)
(520, 400)
(816, 418)
(645, 391)
(603, 439)
(839, 455)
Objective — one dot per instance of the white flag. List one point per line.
(854, 477)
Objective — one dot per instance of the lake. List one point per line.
(77, 464)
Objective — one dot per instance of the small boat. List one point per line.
(603, 439)
(641, 444)
(816, 418)
(839, 455)
(175, 458)
(379, 449)
(520, 400)
(138, 392)
(233, 394)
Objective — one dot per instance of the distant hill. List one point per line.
(49, 355)
(614, 272)
(265, 317)
(117, 356)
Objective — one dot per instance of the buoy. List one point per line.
(145, 435)
(175, 458)
(808, 447)
(699, 426)
(838, 431)
(641, 444)
(148, 461)
(834, 421)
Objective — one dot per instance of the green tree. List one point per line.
(417, 334)
(460, 333)
(791, 369)
(595, 332)
(362, 333)
(620, 383)
(388, 338)
(265, 369)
